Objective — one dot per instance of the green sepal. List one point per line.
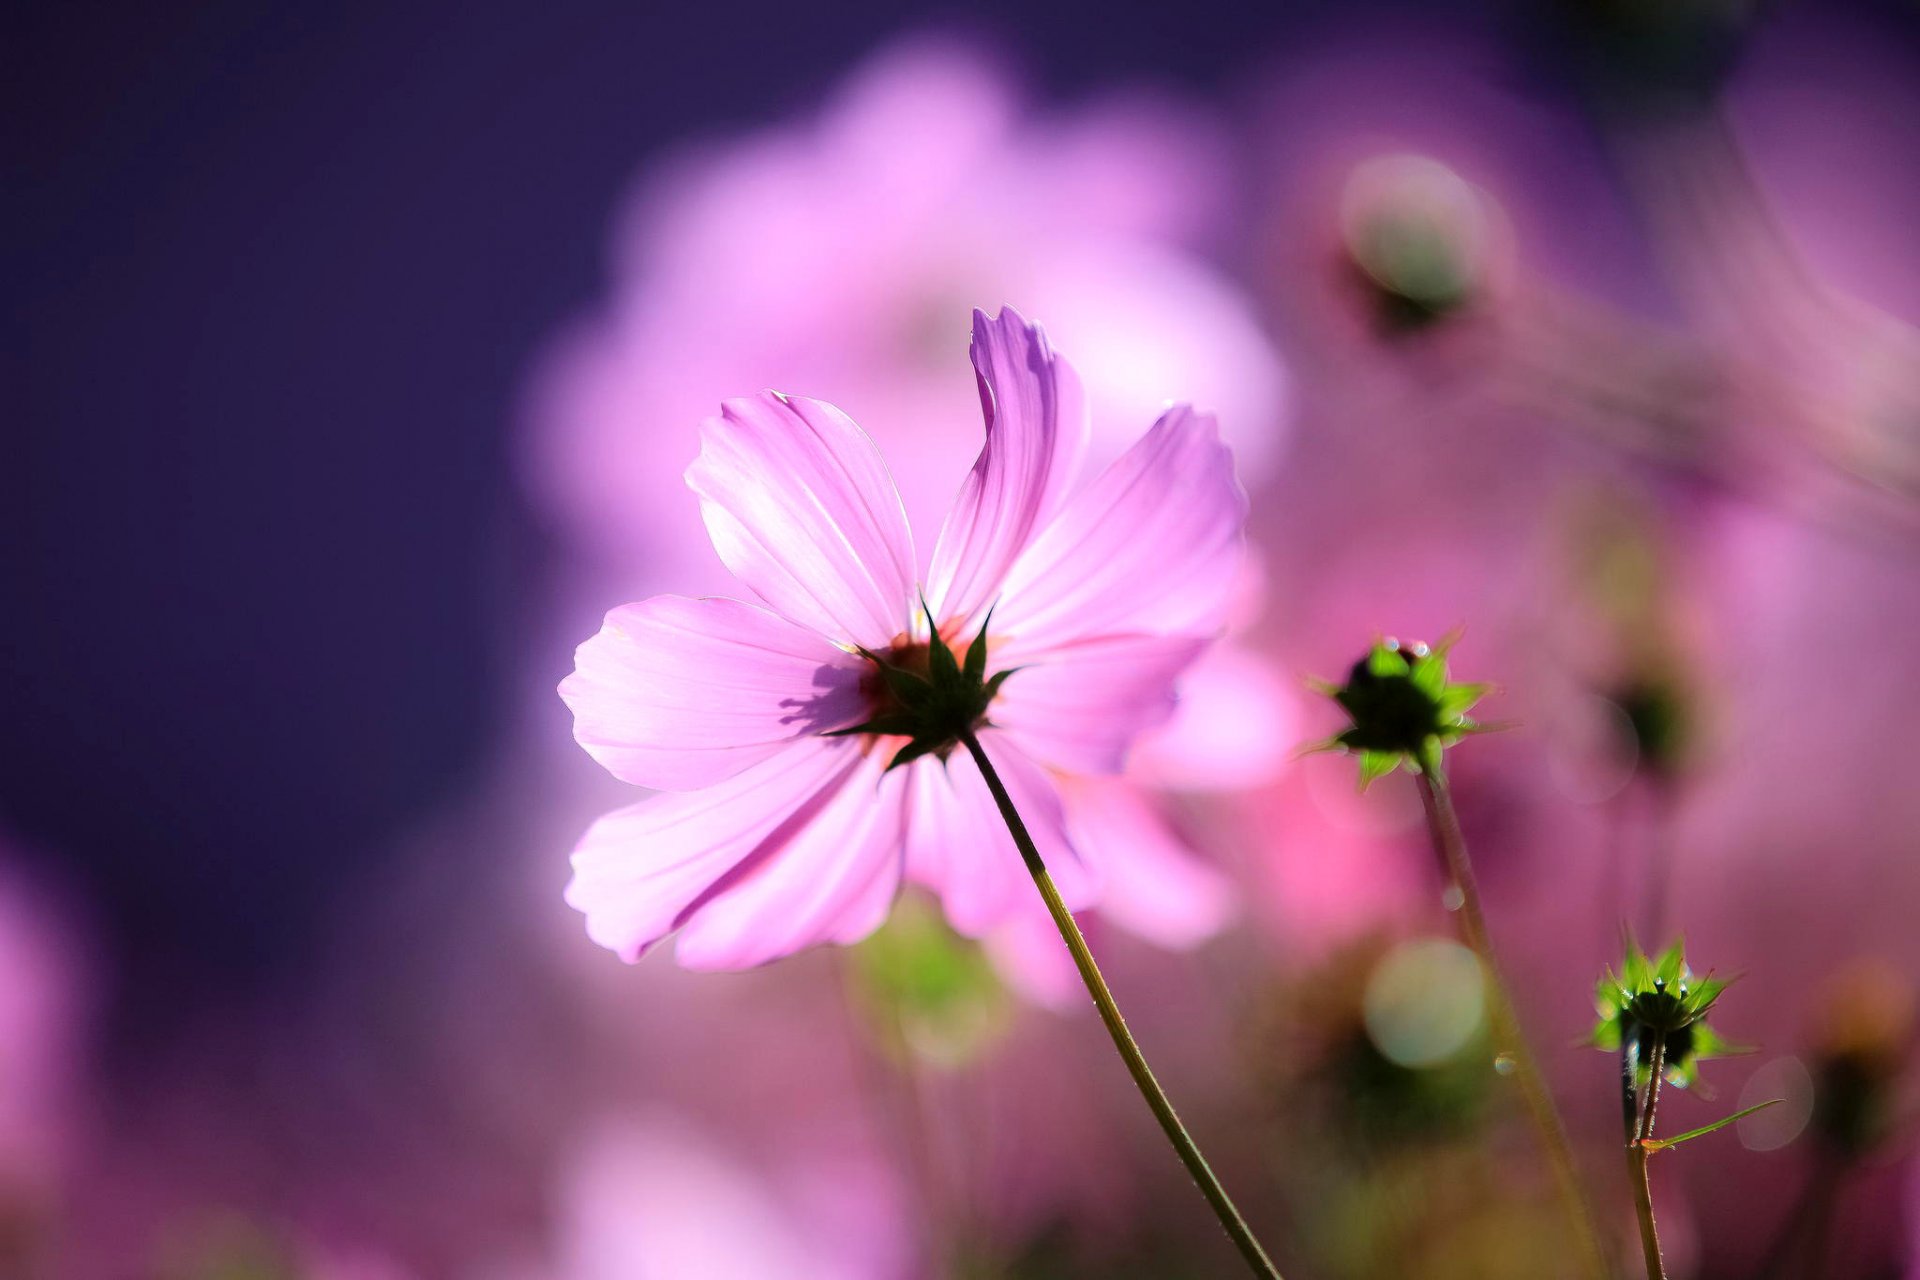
(1386, 661)
(1376, 764)
(913, 751)
(894, 724)
(932, 708)
(976, 668)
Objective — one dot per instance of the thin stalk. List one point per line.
(1451, 846)
(1156, 1097)
(1637, 1156)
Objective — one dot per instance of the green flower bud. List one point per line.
(1660, 1001)
(1404, 707)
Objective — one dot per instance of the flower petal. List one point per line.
(802, 510)
(1153, 545)
(832, 879)
(1078, 707)
(1236, 727)
(1036, 420)
(678, 694)
(1152, 884)
(1031, 958)
(639, 870)
(958, 845)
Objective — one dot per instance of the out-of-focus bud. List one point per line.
(1385, 1041)
(1657, 714)
(1422, 241)
(926, 992)
(1863, 1042)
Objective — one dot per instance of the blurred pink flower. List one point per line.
(784, 836)
(660, 1199)
(831, 252)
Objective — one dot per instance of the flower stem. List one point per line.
(1451, 846)
(1183, 1143)
(1637, 1155)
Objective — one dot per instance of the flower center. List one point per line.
(922, 691)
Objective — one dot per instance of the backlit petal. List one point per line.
(676, 694)
(831, 880)
(1152, 884)
(958, 845)
(1153, 545)
(801, 508)
(639, 871)
(1036, 420)
(1078, 707)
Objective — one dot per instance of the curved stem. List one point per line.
(1451, 846)
(1183, 1143)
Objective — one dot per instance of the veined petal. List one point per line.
(832, 879)
(1152, 884)
(638, 871)
(1078, 707)
(958, 845)
(801, 508)
(1153, 545)
(676, 694)
(1036, 419)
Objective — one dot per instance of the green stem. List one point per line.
(1183, 1143)
(1451, 846)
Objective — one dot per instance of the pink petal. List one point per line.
(802, 510)
(1078, 707)
(1153, 885)
(677, 694)
(1153, 545)
(1030, 957)
(958, 846)
(1036, 430)
(1236, 727)
(831, 879)
(639, 871)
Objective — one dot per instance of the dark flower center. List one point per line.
(922, 691)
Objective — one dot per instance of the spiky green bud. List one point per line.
(1659, 1000)
(1404, 706)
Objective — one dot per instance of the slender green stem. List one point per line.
(1637, 1156)
(1451, 846)
(1183, 1143)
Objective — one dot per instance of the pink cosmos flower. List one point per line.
(657, 1196)
(1078, 607)
(829, 245)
